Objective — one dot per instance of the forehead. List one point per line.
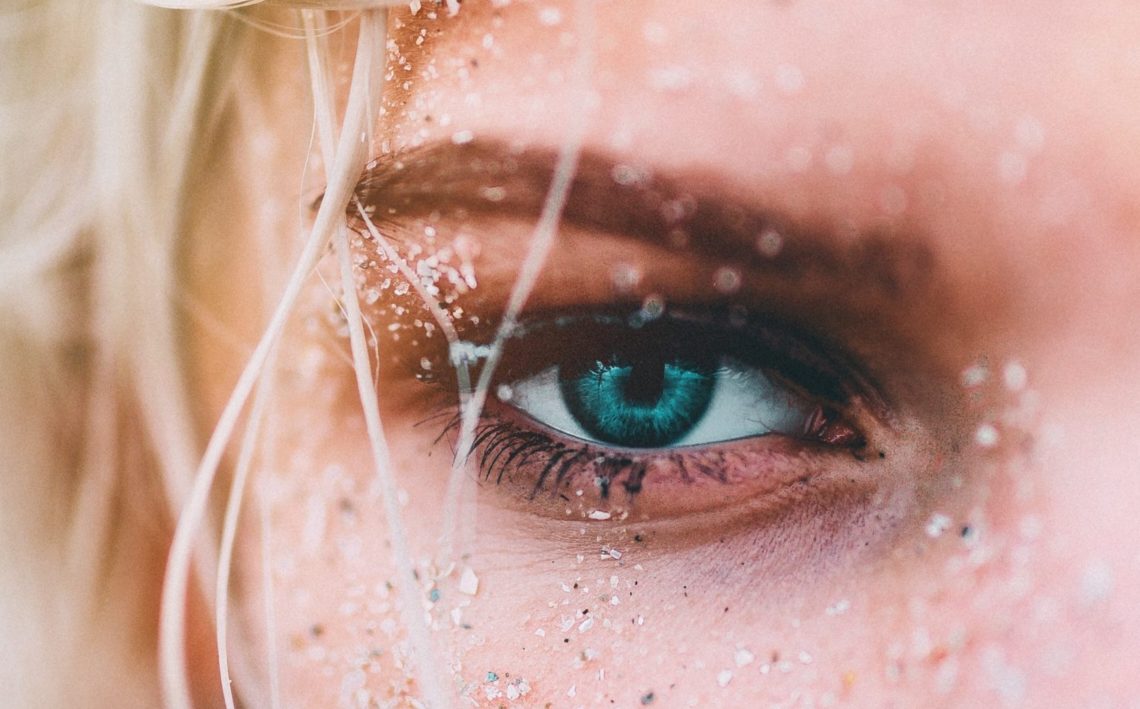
(1008, 101)
(1002, 133)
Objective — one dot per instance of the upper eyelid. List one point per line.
(778, 340)
(886, 296)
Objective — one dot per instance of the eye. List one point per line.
(603, 415)
(650, 394)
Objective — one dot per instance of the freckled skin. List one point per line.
(1003, 134)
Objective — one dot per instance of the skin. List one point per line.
(1000, 139)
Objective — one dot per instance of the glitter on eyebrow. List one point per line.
(600, 515)
(627, 175)
(493, 194)
(727, 280)
(769, 243)
(625, 277)
(1014, 376)
(550, 16)
(974, 375)
(986, 436)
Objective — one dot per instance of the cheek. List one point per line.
(564, 621)
(314, 562)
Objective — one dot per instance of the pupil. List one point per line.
(645, 403)
(645, 384)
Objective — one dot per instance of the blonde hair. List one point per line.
(95, 134)
(101, 105)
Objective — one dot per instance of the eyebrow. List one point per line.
(674, 210)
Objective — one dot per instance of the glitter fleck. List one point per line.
(1096, 582)
(986, 436)
(974, 375)
(625, 277)
(937, 525)
(1014, 376)
(769, 243)
(468, 582)
(727, 280)
(627, 175)
(550, 16)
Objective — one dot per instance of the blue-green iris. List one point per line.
(646, 404)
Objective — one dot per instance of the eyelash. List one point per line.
(546, 461)
(500, 443)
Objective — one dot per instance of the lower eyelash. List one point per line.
(502, 447)
(564, 477)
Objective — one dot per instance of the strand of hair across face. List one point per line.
(541, 242)
(422, 651)
(401, 550)
(229, 527)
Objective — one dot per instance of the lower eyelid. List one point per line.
(583, 482)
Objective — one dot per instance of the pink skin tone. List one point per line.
(1001, 136)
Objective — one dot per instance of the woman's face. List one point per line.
(827, 391)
